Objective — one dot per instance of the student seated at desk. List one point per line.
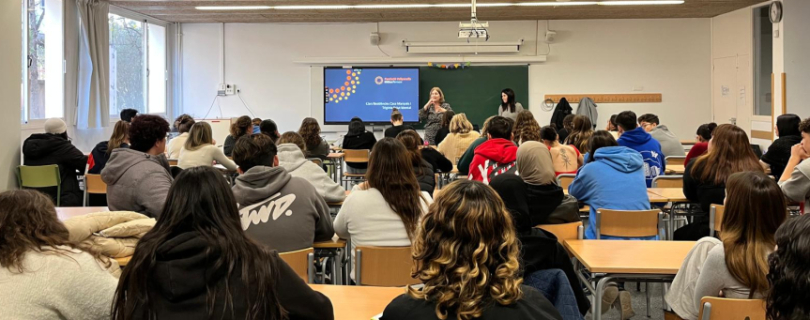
(789, 276)
(612, 178)
(54, 147)
(101, 153)
(278, 210)
(496, 155)
(44, 275)
(468, 258)
(200, 150)
(270, 129)
(183, 125)
(580, 134)
(291, 148)
(634, 137)
(795, 180)
(703, 135)
(138, 179)
(444, 130)
(385, 210)
(396, 124)
(460, 138)
(778, 155)
(463, 163)
(704, 179)
(423, 169)
(241, 127)
(670, 144)
(358, 139)
(526, 128)
(755, 208)
(197, 263)
(311, 132)
(564, 158)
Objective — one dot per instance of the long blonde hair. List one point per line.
(199, 136)
(460, 124)
(119, 136)
(466, 252)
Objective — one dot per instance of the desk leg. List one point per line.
(337, 270)
(597, 297)
(347, 262)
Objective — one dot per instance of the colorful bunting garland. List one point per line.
(450, 66)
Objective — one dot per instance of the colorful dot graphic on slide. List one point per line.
(341, 91)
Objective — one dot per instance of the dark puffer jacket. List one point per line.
(44, 149)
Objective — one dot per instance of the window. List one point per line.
(44, 73)
(137, 66)
(763, 61)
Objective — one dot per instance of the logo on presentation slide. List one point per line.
(378, 80)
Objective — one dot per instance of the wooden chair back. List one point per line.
(564, 231)
(564, 180)
(383, 266)
(676, 160)
(668, 181)
(714, 308)
(716, 219)
(356, 156)
(628, 223)
(301, 261)
(173, 162)
(94, 184)
(317, 161)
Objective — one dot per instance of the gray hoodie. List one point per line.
(283, 212)
(670, 145)
(588, 108)
(292, 159)
(137, 181)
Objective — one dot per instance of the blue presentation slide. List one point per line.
(370, 93)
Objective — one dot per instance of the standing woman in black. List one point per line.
(787, 128)
(433, 113)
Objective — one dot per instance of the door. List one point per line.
(724, 78)
(743, 94)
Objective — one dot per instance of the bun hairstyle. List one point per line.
(183, 123)
(705, 131)
(396, 115)
(241, 126)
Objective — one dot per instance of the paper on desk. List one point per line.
(377, 317)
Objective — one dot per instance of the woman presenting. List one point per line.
(433, 112)
(509, 108)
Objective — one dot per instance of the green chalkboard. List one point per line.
(475, 91)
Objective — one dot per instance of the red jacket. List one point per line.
(492, 154)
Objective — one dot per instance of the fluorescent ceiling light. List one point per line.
(233, 7)
(445, 5)
(638, 3)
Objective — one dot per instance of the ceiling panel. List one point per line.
(184, 11)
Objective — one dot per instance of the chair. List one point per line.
(668, 181)
(41, 177)
(173, 162)
(564, 180)
(355, 156)
(629, 223)
(565, 231)
(93, 185)
(383, 266)
(716, 219)
(714, 308)
(301, 261)
(675, 160)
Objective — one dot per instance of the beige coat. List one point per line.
(113, 234)
(455, 144)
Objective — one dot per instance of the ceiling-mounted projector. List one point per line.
(474, 28)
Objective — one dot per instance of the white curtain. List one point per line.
(93, 78)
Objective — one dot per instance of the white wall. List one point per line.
(670, 56)
(796, 33)
(10, 83)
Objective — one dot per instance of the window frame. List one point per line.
(167, 54)
(26, 122)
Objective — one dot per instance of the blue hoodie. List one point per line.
(614, 180)
(641, 141)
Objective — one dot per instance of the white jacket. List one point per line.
(291, 158)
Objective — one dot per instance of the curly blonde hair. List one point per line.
(460, 124)
(526, 127)
(310, 131)
(466, 252)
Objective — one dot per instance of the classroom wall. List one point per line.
(796, 33)
(668, 56)
(10, 82)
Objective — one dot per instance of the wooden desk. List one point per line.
(358, 302)
(661, 195)
(65, 213)
(675, 169)
(626, 260)
(335, 243)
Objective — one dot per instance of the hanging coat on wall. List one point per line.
(588, 108)
(560, 111)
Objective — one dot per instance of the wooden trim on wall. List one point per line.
(784, 93)
(765, 135)
(609, 98)
(773, 103)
